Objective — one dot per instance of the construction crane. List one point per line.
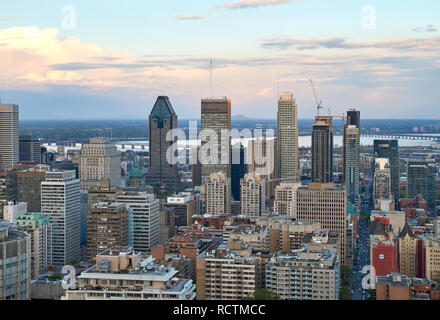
(318, 104)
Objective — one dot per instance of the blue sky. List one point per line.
(122, 54)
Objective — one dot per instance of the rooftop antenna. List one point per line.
(210, 77)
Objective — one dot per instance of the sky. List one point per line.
(111, 58)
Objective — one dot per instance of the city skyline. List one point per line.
(142, 50)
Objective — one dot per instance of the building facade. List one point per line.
(322, 149)
(9, 141)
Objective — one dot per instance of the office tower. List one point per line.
(15, 255)
(322, 149)
(40, 230)
(432, 258)
(60, 200)
(29, 149)
(351, 164)
(29, 187)
(382, 181)
(184, 208)
(327, 204)
(167, 226)
(162, 119)
(84, 212)
(8, 188)
(196, 168)
(307, 275)
(238, 169)
(253, 195)
(12, 210)
(285, 199)
(421, 181)
(353, 119)
(9, 142)
(225, 274)
(122, 273)
(104, 192)
(390, 149)
(107, 227)
(146, 218)
(216, 194)
(216, 117)
(261, 155)
(407, 246)
(288, 138)
(99, 160)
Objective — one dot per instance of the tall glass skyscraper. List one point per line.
(322, 149)
(390, 149)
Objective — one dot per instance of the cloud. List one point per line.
(341, 43)
(185, 18)
(245, 4)
(428, 28)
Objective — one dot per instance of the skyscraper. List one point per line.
(162, 119)
(9, 142)
(238, 169)
(327, 204)
(353, 119)
(216, 116)
(382, 179)
(146, 218)
(99, 160)
(390, 149)
(288, 138)
(322, 149)
(60, 200)
(351, 163)
(421, 181)
(29, 149)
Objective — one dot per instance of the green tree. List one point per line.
(345, 293)
(402, 194)
(346, 275)
(263, 294)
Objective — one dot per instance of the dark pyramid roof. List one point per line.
(162, 107)
(406, 230)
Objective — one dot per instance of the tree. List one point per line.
(263, 294)
(345, 293)
(346, 275)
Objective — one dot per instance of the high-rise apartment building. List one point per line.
(305, 275)
(327, 204)
(353, 119)
(225, 274)
(407, 246)
(15, 266)
(382, 181)
(432, 258)
(162, 149)
(421, 181)
(253, 195)
(29, 149)
(215, 119)
(39, 228)
(261, 155)
(107, 227)
(288, 138)
(167, 226)
(8, 188)
(390, 149)
(9, 141)
(99, 160)
(285, 199)
(146, 218)
(351, 163)
(322, 149)
(60, 200)
(104, 192)
(216, 194)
